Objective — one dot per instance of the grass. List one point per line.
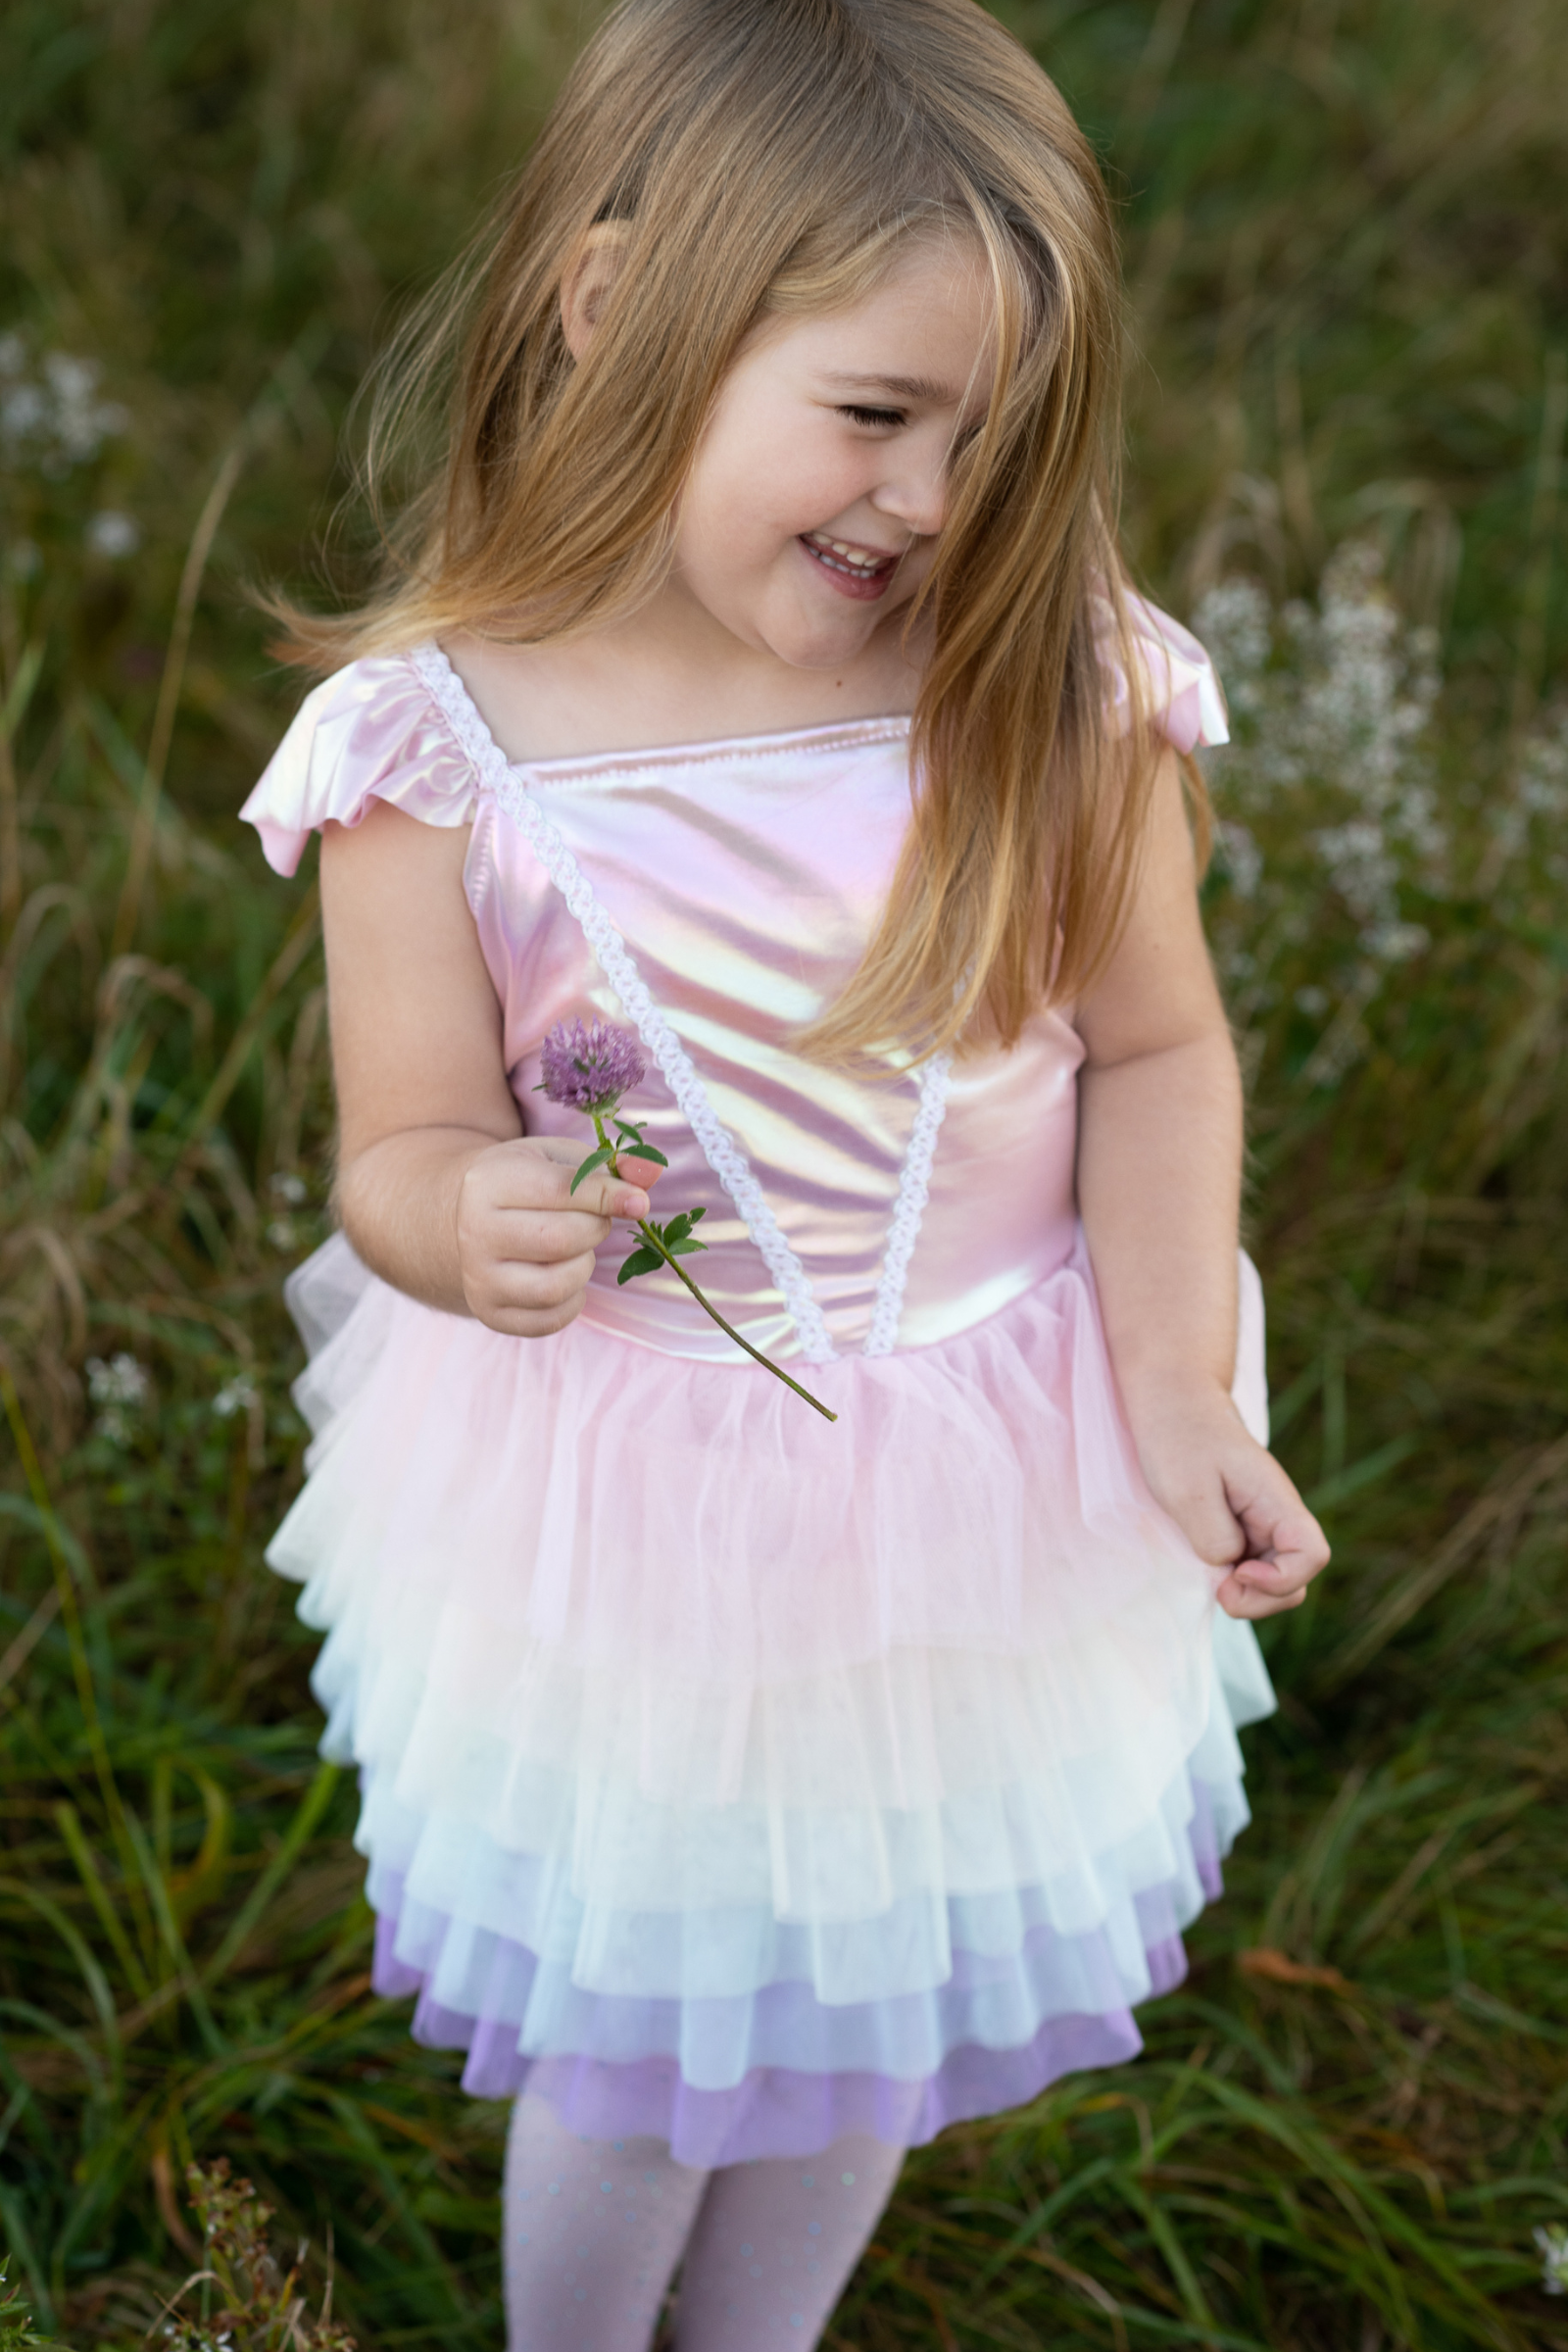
(1349, 261)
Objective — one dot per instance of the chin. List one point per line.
(808, 647)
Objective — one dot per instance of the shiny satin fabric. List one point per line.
(719, 868)
(746, 877)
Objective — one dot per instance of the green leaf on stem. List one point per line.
(641, 1261)
(595, 1159)
(630, 1142)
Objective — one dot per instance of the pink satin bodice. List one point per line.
(745, 878)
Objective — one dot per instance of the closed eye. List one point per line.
(874, 417)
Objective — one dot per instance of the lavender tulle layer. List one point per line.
(745, 1780)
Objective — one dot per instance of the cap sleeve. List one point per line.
(369, 733)
(1183, 692)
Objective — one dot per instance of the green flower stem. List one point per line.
(653, 1241)
(676, 1267)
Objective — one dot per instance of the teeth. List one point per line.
(846, 553)
(847, 558)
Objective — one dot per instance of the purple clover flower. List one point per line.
(588, 1067)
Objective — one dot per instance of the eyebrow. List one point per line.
(903, 387)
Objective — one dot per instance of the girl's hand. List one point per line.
(1229, 1497)
(526, 1242)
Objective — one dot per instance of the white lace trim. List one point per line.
(914, 1189)
(497, 775)
(722, 1154)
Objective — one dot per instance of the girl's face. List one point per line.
(809, 518)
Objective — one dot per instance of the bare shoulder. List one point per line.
(539, 702)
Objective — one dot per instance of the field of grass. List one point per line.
(1347, 251)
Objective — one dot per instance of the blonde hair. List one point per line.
(776, 155)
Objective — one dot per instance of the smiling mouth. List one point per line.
(863, 563)
(857, 562)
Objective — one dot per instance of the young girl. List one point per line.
(750, 1795)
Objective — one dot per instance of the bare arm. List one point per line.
(1159, 1164)
(438, 1189)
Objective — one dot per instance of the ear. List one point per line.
(587, 279)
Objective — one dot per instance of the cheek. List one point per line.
(780, 456)
(735, 517)
(726, 487)
(764, 475)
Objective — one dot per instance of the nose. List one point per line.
(915, 487)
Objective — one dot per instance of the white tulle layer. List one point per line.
(693, 1730)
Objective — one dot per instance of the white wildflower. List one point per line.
(1328, 810)
(23, 413)
(1539, 791)
(236, 1395)
(1360, 863)
(290, 1188)
(81, 422)
(120, 1381)
(1234, 621)
(122, 1388)
(1552, 2243)
(1396, 942)
(281, 1232)
(1344, 718)
(50, 414)
(113, 534)
(1544, 770)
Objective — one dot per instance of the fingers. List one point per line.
(1200, 1509)
(1286, 1548)
(1285, 1545)
(526, 1300)
(1239, 1598)
(628, 1195)
(1234, 1504)
(526, 1242)
(643, 1172)
(536, 1173)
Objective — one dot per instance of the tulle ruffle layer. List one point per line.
(782, 2073)
(746, 1779)
(673, 1578)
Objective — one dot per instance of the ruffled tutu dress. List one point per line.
(728, 1775)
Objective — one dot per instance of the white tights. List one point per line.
(593, 2231)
